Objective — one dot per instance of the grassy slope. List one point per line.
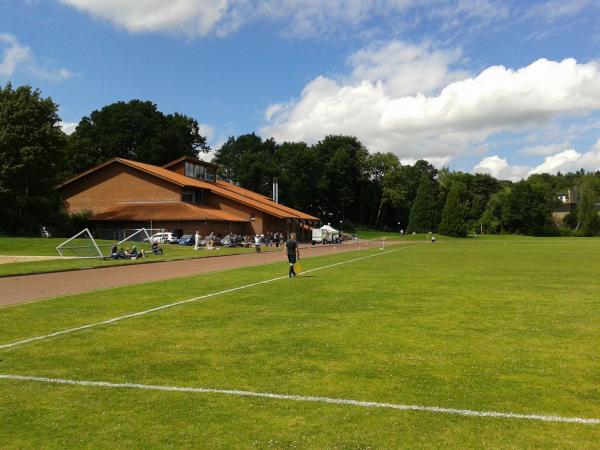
(488, 325)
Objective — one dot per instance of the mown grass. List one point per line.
(504, 325)
(47, 247)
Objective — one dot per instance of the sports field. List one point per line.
(10, 246)
(464, 343)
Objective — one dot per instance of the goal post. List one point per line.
(82, 245)
(139, 234)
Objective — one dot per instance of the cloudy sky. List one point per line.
(503, 87)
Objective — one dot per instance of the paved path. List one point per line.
(25, 288)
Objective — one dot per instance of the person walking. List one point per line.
(197, 238)
(257, 243)
(292, 251)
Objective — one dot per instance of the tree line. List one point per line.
(336, 179)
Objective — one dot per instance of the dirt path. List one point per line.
(7, 259)
(25, 288)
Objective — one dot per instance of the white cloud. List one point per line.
(206, 130)
(499, 168)
(462, 116)
(405, 68)
(455, 14)
(15, 57)
(14, 54)
(191, 17)
(553, 10)
(203, 17)
(544, 150)
(68, 127)
(302, 18)
(569, 160)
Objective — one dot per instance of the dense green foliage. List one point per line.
(31, 142)
(487, 325)
(454, 216)
(424, 212)
(134, 130)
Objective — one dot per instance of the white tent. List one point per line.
(330, 229)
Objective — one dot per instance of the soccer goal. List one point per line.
(82, 245)
(137, 235)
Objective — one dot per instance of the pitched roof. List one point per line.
(261, 198)
(222, 188)
(144, 211)
(190, 159)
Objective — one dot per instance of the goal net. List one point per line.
(83, 245)
(138, 234)
(138, 238)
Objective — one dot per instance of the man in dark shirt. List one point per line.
(292, 252)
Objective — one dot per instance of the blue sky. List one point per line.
(507, 88)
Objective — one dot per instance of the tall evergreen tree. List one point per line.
(424, 212)
(454, 216)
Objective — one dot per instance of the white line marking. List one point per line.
(306, 398)
(171, 305)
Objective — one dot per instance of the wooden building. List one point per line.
(184, 195)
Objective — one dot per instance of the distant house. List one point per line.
(569, 197)
(184, 195)
(569, 204)
(569, 200)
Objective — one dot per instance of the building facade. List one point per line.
(183, 196)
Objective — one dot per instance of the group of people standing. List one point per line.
(290, 247)
(269, 240)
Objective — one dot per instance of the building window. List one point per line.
(199, 171)
(210, 174)
(189, 170)
(193, 196)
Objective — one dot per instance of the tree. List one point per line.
(31, 143)
(384, 190)
(527, 209)
(454, 216)
(134, 130)
(587, 215)
(299, 173)
(492, 219)
(424, 211)
(342, 178)
(249, 161)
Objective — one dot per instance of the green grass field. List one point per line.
(505, 325)
(47, 247)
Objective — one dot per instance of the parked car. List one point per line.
(163, 238)
(232, 240)
(216, 241)
(187, 239)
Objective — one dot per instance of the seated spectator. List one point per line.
(156, 248)
(114, 252)
(136, 254)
